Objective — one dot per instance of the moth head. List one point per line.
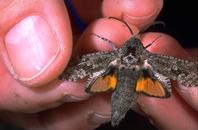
(133, 47)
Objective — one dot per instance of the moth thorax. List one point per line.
(129, 59)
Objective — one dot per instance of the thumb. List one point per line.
(35, 40)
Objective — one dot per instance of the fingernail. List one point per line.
(143, 109)
(137, 20)
(72, 98)
(152, 122)
(142, 10)
(31, 46)
(136, 107)
(96, 119)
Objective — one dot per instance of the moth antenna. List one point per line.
(112, 44)
(124, 23)
(153, 41)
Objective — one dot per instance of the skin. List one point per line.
(43, 102)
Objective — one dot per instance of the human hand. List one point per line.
(35, 99)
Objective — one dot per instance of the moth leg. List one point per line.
(109, 42)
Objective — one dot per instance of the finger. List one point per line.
(115, 31)
(87, 10)
(17, 98)
(191, 95)
(163, 45)
(85, 115)
(193, 52)
(35, 45)
(88, 114)
(169, 114)
(140, 13)
(172, 113)
(35, 40)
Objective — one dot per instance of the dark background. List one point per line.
(180, 17)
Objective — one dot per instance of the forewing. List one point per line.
(87, 65)
(185, 72)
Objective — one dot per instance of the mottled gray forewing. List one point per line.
(87, 65)
(185, 72)
(124, 95)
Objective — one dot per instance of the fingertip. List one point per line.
(115, 31)
(36, 44)
(165, 44)
(189, 94)
(169, 113)
(193, 52)
(140, 13)
(88, 114)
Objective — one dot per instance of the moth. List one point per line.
(129, 71)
